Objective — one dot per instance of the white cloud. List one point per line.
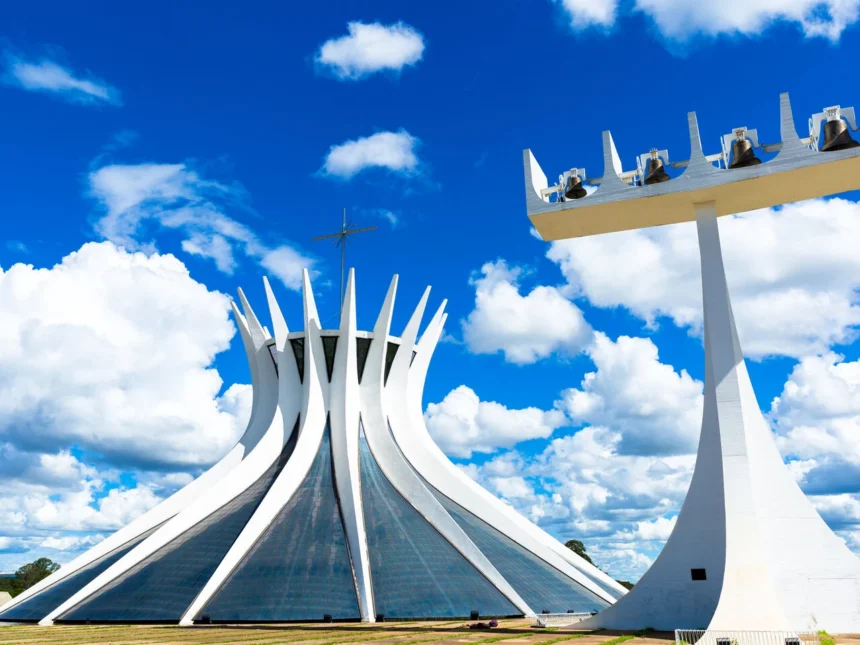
(71, 542)
(793, 274)
(524, 328)
(112, 351)
(137, 198)
(655, 410)
(581, 487)
(109, 355)
(371, 48)
(682, 19)
(817, 419)
(462, 424)
(48, 76)
(394, 151)
(590, 13)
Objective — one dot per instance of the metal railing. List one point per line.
(559, 620)
(720, 637)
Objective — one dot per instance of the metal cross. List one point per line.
(340, 239)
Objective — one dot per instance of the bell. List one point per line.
(655, 173)
(574, 189)
(837, 137)
(743, 155)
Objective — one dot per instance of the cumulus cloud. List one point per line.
(580, 486)
(817, 419)
(462, 424)
(589, 13)
(394, 151)
(134, 381)
(109, 400)
(45, 75)
(371, 48)
(525, 328)
(683, 19)
(793, 273)
(655, 409)
(136, 201)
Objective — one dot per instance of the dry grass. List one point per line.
(509, 632)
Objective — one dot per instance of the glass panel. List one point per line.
(329, 348)
(541, 585)
(298, 345)
(416, 572)
(390, 353)
(362, 348)
(40, 605)
(161, 588)
(299, 569)
(273, 352)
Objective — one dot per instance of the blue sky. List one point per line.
(158, 156)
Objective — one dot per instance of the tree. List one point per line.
(579, 549)
(31, 573)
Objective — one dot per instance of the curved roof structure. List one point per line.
(335, 504)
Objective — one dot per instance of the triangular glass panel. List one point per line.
(361, 349)
(390, 353)
(415, 571)
(299, 569)
(161, 588)
(329, 349)
(298, 345)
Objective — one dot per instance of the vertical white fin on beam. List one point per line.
(612, 168)
(311, 432)
(384, 407)
(698, 165)
(345, 411)
(792, 146)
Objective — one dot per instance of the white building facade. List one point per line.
(335, 505)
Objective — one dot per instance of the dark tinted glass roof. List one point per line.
(416, 572)
(390, 353)
(40, 605)
(299, 569)
(298, 345)
(362, 347)
(541, 585)
(329, 349)
(162, 587)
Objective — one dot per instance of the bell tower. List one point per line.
(748, 551)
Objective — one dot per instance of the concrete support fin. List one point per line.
(345, 413)
(377, 399)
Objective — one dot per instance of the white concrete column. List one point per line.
(748, 599)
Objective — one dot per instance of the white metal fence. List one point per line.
(559, 620)
(717, 637)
